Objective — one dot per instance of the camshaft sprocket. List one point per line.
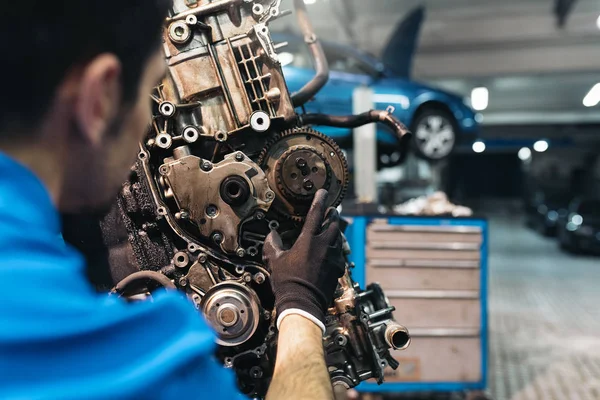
(300, 161)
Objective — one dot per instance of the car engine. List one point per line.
(228, 159)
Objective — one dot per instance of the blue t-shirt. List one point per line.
(59, 339)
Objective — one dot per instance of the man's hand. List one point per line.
(304, 277)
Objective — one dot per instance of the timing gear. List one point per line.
(300, 161)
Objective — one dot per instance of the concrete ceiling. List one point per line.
(535, 71)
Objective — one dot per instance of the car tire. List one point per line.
(435, 133)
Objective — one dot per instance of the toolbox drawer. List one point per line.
(438, 359)
(425, 253)
(437, 309)
(391, 278)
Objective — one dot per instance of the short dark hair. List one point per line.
(42, 40)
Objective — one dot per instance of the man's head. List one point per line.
(76, 76)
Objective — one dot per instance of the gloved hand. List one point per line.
(304, 278)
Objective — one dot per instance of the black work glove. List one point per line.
(304, 278)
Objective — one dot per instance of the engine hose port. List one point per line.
(235, 191)
(397, 337)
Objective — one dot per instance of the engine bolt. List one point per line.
(300, 162)
(256, 372)
(183, 281)
(217, 237)
(270, 195)
(247, 277)
(267, 315)
(202, 258)
(239, 156)
(240, 252)
(183, 214)
(206, 166)
(260, 215)
(259, 278)
(308, 184)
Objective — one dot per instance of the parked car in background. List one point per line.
(543, 211)
(438, 119)
(579, 230)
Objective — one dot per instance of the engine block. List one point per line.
(227, 159)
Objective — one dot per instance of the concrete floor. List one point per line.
(544, 315)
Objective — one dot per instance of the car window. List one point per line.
(345, 62)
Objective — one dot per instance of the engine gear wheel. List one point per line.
(300, 161)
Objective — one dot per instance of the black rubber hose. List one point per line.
(354, 121)
(143, 275)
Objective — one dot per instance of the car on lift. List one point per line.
(439, 120)
(579, 230)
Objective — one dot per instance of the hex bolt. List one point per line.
(217, 237)
(270, 195)
(202, 258)
(267, 315)
(256, 372)
(239, 156)
(308, 184)
(212, 211)
(183, 281)
(259, 278)
(183, 214)
(260, 215)
(240, 252)
(206, 165)
(300, 162)
(247, 277)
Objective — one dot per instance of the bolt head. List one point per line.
(202, 258)
(300, 162)
(206, 166)
(240, 252)
(183, 281)
(239, 156)
(218, 238)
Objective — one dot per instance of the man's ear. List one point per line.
(99, 97)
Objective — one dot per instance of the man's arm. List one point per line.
(304, 279)
(300, 370)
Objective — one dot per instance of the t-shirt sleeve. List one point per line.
(107, 348)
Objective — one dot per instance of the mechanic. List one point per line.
(76, 76)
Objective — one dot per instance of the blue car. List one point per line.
(438, 119)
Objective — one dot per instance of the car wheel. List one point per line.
(434, 134)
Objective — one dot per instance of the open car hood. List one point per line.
(400, 49)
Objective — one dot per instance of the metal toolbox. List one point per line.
(434, 271)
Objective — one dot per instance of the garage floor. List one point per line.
(544, 311)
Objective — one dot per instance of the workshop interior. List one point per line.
(458, 139)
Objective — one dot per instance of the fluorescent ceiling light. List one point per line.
(540, 146)
(480, 98)
(285, 58)
(593, 97)
(524, 154)
(598, 22)
(310, 1)
(478, 147)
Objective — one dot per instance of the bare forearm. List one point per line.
(300, 370)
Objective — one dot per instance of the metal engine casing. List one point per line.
(225, 162)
